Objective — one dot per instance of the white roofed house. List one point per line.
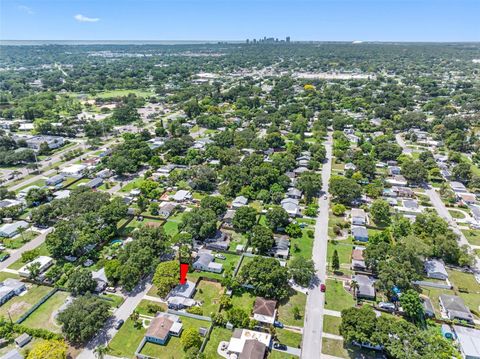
(468, 340)
(205, 262)
(44, 261)
(359, 217)
(294, 193)
(9, 288)
(10, 230)
(239, 201)
(366, 288)
(248, 344)
(182, 196)
(75, 171)
(435, 268)
(458, 187)
(291, 205)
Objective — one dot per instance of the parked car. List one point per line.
(4, 256)
(110, 289)
(323, 287)
(119, 324)
(387, 306)
(279, 346)
(278, 324)
(220, 256)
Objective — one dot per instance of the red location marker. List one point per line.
(183, 273)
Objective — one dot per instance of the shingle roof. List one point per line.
(264, 306)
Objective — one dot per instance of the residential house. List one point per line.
(360, 233)
(467, 198)
(182, 196)
(220, 241)
(9, 288)
(394, 170)
(94, 183)
(358, 260)
(264, 310)
(105, 173)
(75, 171)
(162, 327)
(468, 340)
(294, 193)
(350, 167)
(61, 194)
(404, 192)
(166, 209)
(458, 187)
(228, 217)
(397, 180)
(101, 279)
(240, 201)
(366, 288)
(435, 268)
(358, 217)
(13, 354)
(44, 261)
(165, 170)
(36, 142)
(455, 308)
(281, 248)
(53, 181)
(292, 206)
(428, 309)
(475, 212)
(10, 230)
(299, 170)
(205, 262)
(248, 344)
(183, 290)
(179, 303)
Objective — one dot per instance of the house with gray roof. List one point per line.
(468, 340)
(240, 201)
(10, 230)
(435, 268)
(291, 205)
(205, 262)
(366, 287)
(455, 308)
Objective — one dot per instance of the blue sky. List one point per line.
(345, 20)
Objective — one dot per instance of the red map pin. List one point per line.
(183, 273)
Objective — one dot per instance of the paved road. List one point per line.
(443, 212)
(313, 326)
(402, 144)
(34, 243)
(123, 312)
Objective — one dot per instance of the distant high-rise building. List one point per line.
(287, 39)
(248, 41)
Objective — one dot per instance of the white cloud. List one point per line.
(26, 9)
(82, 18)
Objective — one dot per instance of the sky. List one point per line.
(305, 20)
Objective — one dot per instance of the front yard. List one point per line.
(285, 309)
(336, 297)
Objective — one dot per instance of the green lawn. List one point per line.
(244, 300)
(285, 314)
(170, 227)
(332, 221)
(19, 240)
(331, 324)
(344, 250)
(5, 275)
(44, 316)
(142, 307)
(219, 334)
(236, 239)
(123, 93)
(456, 214)
(302, 246)
(136, 183)
(337, 348)
(336, 297)
(275, 354)
(17, 306)
(172, 349)
(42, 251)
(209, 294)
(126, 341)
(39, 183)
(287, 337)
(115, 301)
(473, 236)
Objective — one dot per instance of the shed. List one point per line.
(23, 340)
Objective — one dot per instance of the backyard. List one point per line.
(44, 316)
(18, 305)
(209, 294)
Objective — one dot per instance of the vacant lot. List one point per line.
(44, 316)
(18, 305)
(218, 335)
(209, 294)
(336, 297)
(285, 310)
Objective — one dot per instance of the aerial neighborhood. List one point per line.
(325, 198)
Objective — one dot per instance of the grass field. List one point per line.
(331, 324)
(243, 300)
(44, 316)
(123, 93)
(456, 214)
(285, 310)
(287, 337)
(142, 307)
(218, 335)
(344, 250)
(336, 297)
(302, 246)
(18, 305)
(126, 341)
(42, 251)
(19, 240)
(473, 236)
(209, 294)
(5, 275)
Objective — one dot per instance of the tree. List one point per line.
(36, 196)
(310, 183)
(412, 306)
(238, 317)
(277, 217)
(81, 282)
(52, 349)
(359, 325)
(344, 190)
(296, 312)
(166, 277)
(244, 219)
(301, 270)
(414, 171)
(83, 318)
(268, 278)
(294, 230)
(215, 203)
(34, 270)
(190, 339)
(200, 223)
(338, 209)
(111, 269)
(262, 239)
(335, 261)
(462, 172)
(101, 351)
(380, 211)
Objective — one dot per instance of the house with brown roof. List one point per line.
(358, 261)
(264, 310)
(161, 327)
(248, 344)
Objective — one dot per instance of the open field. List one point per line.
(18, 305)
(44, 316)
(336, 297)
(285, 309)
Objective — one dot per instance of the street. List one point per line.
(313, 325)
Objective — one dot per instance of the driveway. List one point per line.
(290, 350)
(313, 325)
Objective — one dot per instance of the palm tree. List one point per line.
(355, 287)
(101, 351)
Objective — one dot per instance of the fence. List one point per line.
(189, 315)
(432, 284)
(38, 304)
